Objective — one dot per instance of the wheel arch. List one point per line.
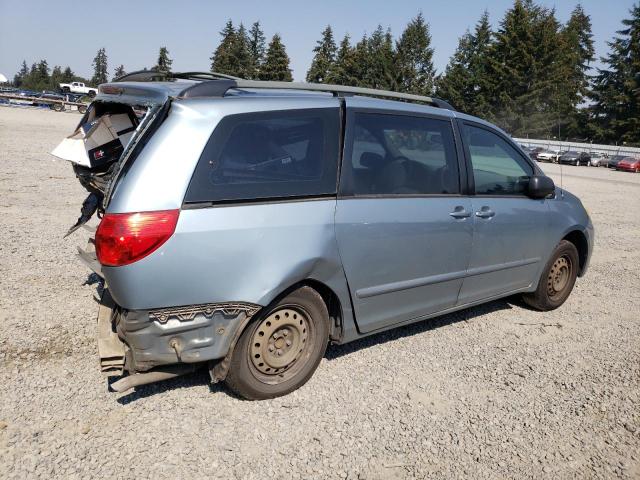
(579, 239)
(330, 298)
(218, 370)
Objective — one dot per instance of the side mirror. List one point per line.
(540, 186)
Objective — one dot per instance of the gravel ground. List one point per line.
(497, 391)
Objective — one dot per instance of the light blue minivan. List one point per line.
(247, 224)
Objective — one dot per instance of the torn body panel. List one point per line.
(139, 341)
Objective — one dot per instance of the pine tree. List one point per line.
(616, 90)
(379, 71)
(338, 72)
(68, 75)
(578, 53)
(353, 63)
(223, 60)
(257, 49)
(276, 64)
(324, 58)
(456, 86)
(56, 78)
(414, 58)
(164, 62)
(119, 72)
(100, 72)
(524, 70)
(242, 53)
(19, 77)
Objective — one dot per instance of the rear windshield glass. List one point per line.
(269, 155)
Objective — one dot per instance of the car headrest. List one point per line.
(371, 160)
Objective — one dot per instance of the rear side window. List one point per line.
(289, 153)
(402, 155)
(498, 169)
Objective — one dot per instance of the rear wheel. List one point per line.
(557, 279)
(279, 351)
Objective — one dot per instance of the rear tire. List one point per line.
(557, 279)
(279, 351)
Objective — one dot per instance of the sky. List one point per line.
(69, 32)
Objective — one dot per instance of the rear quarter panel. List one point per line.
(249, 253)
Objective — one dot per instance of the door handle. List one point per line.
(460, 212)
(485, 212)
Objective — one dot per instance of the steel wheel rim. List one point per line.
(559, 276)
(280, 344)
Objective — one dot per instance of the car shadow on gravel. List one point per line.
(337, 351)
(197, 378)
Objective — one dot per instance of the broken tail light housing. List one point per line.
(124, 238)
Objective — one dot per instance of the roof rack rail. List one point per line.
(155, 76)
(218, 88)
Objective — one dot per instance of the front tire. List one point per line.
(557, 279)
(279, 351)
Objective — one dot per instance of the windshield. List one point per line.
(572, 153)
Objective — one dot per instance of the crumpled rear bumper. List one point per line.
(147, 339)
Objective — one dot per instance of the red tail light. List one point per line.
(124, 238)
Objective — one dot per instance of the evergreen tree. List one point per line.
(68, 75)
(100, 72)
(223, 59)
(616, 90)
(338, 71)
(56, 78)
(256, 49)
(456, 86)
(414, 58)
(276, 64)
(244, 66)
(19, 77)
(577, 43)
(524, 70)
(119, 72)
(324, 58)
(164, 62)
(379, 72)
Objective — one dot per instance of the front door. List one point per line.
(404, 230)
(509, 227)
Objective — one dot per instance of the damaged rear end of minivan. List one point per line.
(113, 131)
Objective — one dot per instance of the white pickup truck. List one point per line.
(78, 87)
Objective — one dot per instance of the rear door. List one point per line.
(403, 223)
(509, 240)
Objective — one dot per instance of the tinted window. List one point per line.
(269, 155)
(395, 154)
(498, 169)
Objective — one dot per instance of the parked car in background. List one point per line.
(276, 233)
(549, 156)
(629, 164)
(575, 158)
(613, 161)
(599, 160)
(532, 151)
